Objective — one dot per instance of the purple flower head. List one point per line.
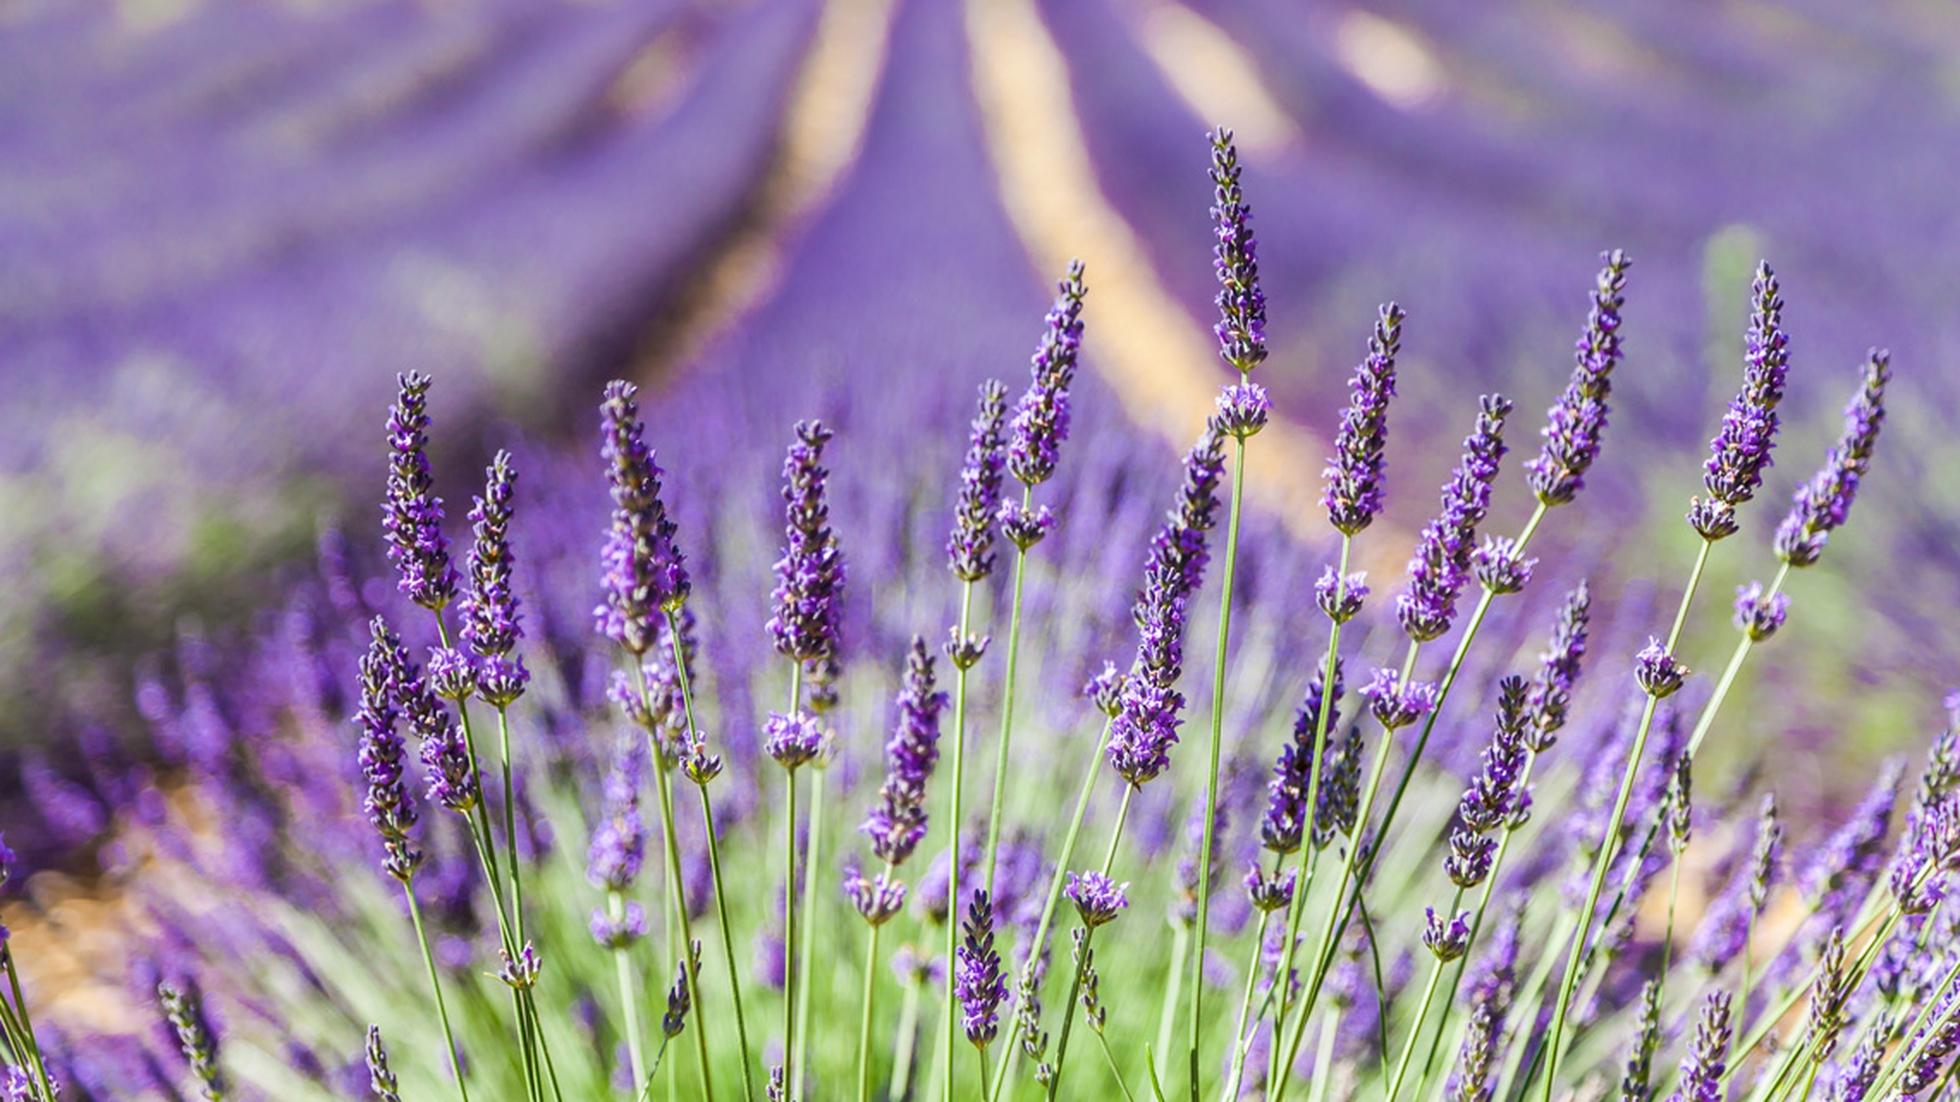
(970, 546)
(1285, 821)
(898, 822)
(197, 1037)
(1468, 860)
(491, 621)
(1243, 409)
(383, 760)
(978, 980)
(412, 514)
(1447, 938)
(381, 1078)
(620, 932)
(1757, 613)
(1442, 560)
(453, 779)
(1041, 418)
(1097, 898)
(1241, 324)
(1025, 527)
(1558, 669)
(1637, 1083)
(520, 971)
(1680, 809)
(452, 676)
(793, 740)
(1353, 494)
(1395, 704)
(1144, 730)
(810, 575)
(1106, 689)
(1707, 1060)
(876, 900)
(1935, 1040)
(1927, 851)
(1824, 503)
(680, 999)
(1657, 670)
(1469, 1081)
(642, 568)
(1740, 451)
(1340, 789)
(1340, 598)
(619, 838)
(1576, 421)
(1269, 893)
(1500, 565)
(8, 860)
(1488, 802)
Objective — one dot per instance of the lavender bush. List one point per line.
(435, 798)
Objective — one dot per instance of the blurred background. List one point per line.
(225, 226)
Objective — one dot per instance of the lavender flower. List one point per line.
(793, 740)
(1395, 703)
(680, 998)
(1269, 892)
(1707, 1060)
(1025, 527)
(388, 805)
(1446, 938)
(978, 980)
(1285, 821)
(1826, 1017)
(452, 676)
(1855, 1080)
(520, 971)
(1470, 1081)
(1576, 421)
(876, 900)
(642, 567)
(621, 932)
(1097, 898)
(1740, 451)
(1932, 1043)
(1500, 565)
(970, 546)
(184, 1009)
(491, 622)
(1680, 806)
(412, 513)
(1340, 790)
(1657, 670)
(810, 575)
(1822, 504)
(1106, 689)
(381, 1077)
(1443, 552)
(1354, 475)
(1558, 669)
(619, 840)
(1759, 614)
(1488, 801)
(1243, 409)
(897, 824)
(1041, 418)
(1637, 1084)
(1339, 598)
(1241, 326)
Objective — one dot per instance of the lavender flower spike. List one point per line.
(810, 575)
(382, 754)
(490, 616)
(412, 513)
(1558, 669)
(1041, 418)
(1443, 552)
(978, 980)
(1740, 451)
(970, 546)
(1822, 504)
(1241, 326)
(1097, 898)
(1707, 1059)
(380, 1076)
(642, 568)
(1354, 475)
(898, 822)
(184, 1007)
(619, 840)
(1576, 421)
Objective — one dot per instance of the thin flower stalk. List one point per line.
(435, 985)
(1110, 904)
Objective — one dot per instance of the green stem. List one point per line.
(1174, 987)
(908, 1039)
(30, 1043)
(1583, 920)
(808, 950)
(1217, 749)
(629, 1002)
(864, 1018)
(1241, 1041)
(435, 984)
(1323, 1063)
(1422, 1011)
(1006, 709)
(956, 824)
(789, 934)
(1114, 1071)
(677, 892)
(1082, 952)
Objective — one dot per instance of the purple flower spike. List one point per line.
(382, 756)
(1106, 689)
(1490, 799)
(1354, 475)
(1558, 669)
(1241, 325)
(1740, 451)
(1758, 615)
(1025, 527)
(412, 513)
(642, 568)
(1041, 418)
(381, 1078)
(620, 837)
(1340, 599)
(491, 622)
(1657, 670)
(1442, 561)
(793, 740)
(1578, 418)
(1500, 565)
(1823, 504)
(876, 900)
(1446, 938)
(810, 575)
(970, 547)
(898, 822)
(1097, 898)
(1395, 704)
(1707, 1060)
(452, 676)
(196, 1036)
(978, 980)
(1269, 893)
(621, 932)
(1243, 409)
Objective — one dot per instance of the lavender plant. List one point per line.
(1462, 940)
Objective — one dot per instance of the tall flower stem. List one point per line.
(1217, 749)
(628, 999)
(435, 984)
(664, 781)
(789, 901)
(1241, 1040)
(950, 1022)
(1582, 922)
(908, 1041)
(1422, 1012)
(30, 1044)
(1082, 952)
(714, 860)
(1174, 986)
(808, 951)
(1729, 672)
(864, 1018)
(995, 814)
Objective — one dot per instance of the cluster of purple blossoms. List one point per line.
(970, 546)
(810, 575)
(1659, 673)
(1740, 451)
(1706, 1064)
(1932, 1043)
(979, 982)
(1339, 597)
(794, 740)
(1145, 726)
(381, 1078)
(1442, 560)
(1397, 703)
(389, 806)
(897, 822)
(1724, 930)
(1491, 799)
(491, 622)
(1447, 938)
(411, 513)
(1759, 613)
(618, 846)
(1241, 326)
(1824, 503)
(1559, 668)
(1097, 898)
(1041, 418)
(1353, 495)
(1578, 419)
(453, 779)
(641, 566)
(1285, 823)
(1470, 1081)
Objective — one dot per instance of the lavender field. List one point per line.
(1129, 721)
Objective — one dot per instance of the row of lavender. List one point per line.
(1340, 862)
